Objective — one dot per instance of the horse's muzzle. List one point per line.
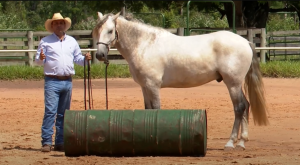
(100, 57)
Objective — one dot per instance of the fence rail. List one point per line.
(284, 41)
(23, 50)
(115, 55)
(115, 51)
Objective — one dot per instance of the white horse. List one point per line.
(159, 59)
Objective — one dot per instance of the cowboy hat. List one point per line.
(57, 16)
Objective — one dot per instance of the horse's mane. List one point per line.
(129, 17)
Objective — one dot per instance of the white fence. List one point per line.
(115, 51)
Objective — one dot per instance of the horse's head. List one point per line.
(105, 34)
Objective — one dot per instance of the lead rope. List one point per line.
(106, 93)
(89, 86)
(84, 83)
(106, 62)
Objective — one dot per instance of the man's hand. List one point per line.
(42, 55)
(88, 56)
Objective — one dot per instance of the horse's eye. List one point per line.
(110, 31)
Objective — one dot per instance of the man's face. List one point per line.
(58, 26)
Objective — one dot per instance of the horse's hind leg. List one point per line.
(151, 97)
(240, 104)
(244, 127)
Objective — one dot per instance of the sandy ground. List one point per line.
(22, 108)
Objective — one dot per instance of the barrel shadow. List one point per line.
(21, 148)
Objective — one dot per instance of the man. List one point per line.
(57, 52)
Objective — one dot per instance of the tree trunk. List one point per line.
(238, 14)
(256, 14)
(247, 14)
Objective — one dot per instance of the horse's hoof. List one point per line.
(227, 148)
(240, 148)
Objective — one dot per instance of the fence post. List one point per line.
(123, 11)
(180, 31)
(250, 35)
(94, 59)
(263, 44)
(30, 47)
(4, 39)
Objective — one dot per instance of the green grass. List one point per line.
(36, 73)
(281, 69)
(276, 69)
(98, 71)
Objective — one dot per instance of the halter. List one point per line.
(107, 44)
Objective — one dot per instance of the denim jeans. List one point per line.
(57, 95)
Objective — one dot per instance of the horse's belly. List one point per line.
(187, 81)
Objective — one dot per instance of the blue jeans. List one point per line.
(57, 99)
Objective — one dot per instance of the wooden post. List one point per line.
(250, 35)
(263, 44)
(94, 59)
(4, 39)
(30, 47)
(180, 31)
(123, 9)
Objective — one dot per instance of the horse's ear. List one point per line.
(100, 15)
(116, 16)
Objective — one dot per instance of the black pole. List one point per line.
(84, 83)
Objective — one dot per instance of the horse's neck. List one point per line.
(133, 37)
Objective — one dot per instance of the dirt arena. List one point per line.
(22, 107)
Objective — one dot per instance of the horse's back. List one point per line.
(196, 60)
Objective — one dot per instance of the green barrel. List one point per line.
(135, 132)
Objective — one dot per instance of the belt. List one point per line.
(59, 77)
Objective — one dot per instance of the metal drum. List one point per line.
(135, 132)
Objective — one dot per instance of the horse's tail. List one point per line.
(254, 87)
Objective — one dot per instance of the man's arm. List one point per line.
(79, 57)
(40, 60)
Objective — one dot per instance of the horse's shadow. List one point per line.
(215, 149)
(21, 148)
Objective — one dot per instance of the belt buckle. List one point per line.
(59, 77)
(63, 77)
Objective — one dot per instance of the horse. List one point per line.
(160, 59)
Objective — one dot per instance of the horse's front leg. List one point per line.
(151, 97)
(240, 104)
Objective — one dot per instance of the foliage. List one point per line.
(212, 19)
(280, 22)
(281, 69)
(86, 24)
(98, 71)
(36, 73)
(275, 4)
(20, 72)
(173, 18)
(276, 69)
(32, 14)
(12, 15)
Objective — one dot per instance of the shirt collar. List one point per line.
(58, 37)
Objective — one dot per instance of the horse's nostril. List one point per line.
(100, 57)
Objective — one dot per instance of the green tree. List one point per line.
(12, 15)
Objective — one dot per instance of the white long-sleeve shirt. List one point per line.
(60, 55)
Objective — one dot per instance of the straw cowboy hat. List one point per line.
(57, 16)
